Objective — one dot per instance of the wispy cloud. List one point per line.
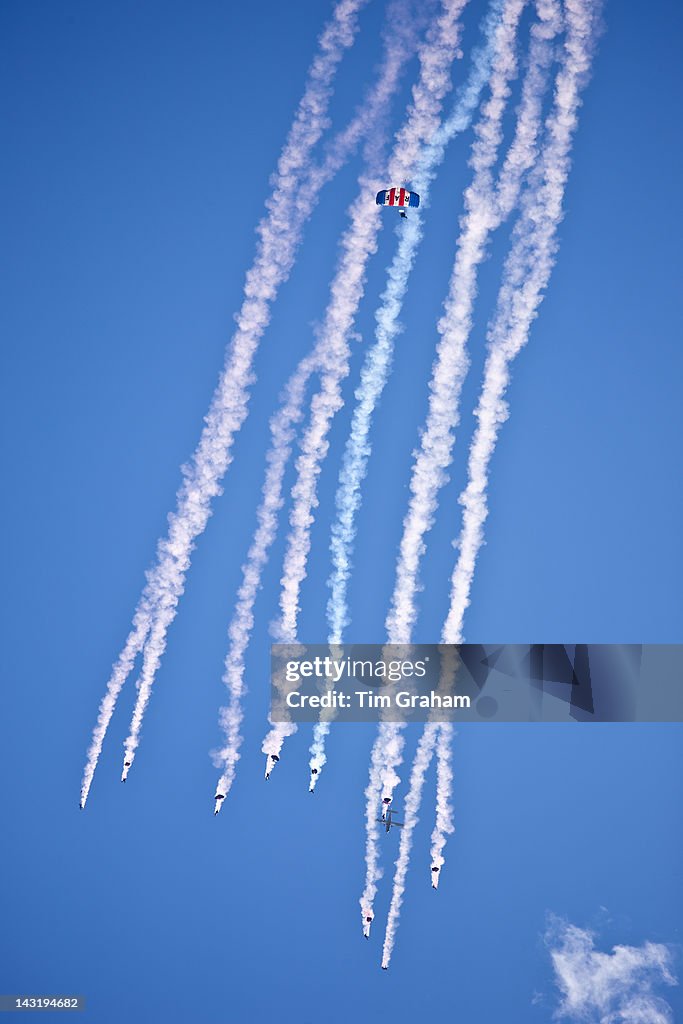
(609, 988)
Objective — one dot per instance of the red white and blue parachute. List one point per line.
(396, 196)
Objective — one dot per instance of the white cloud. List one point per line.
(608, 988)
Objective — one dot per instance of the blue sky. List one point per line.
(141, 139)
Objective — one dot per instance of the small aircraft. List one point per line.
(271, 761)
(435, 876)
(396, 196)
(124, 773)
(219, 797)
(388, 821)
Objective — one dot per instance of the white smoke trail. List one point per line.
(400, 45)
(347, 289)
(282, 427)
(444, 809)
(373, 871)
(377, 365)
(403, 27)
(423, 758)
(518, 161)
(374, 374)
(451, 366)
(279, 234)
(318, 758)
(480, 217)
(434, 735)
(526, 274)
(448, 372)
(436, 57)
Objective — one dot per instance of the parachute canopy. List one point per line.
(400, 197)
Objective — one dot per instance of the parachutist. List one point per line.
(367, 921)
(397, 196)
(271, 760)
